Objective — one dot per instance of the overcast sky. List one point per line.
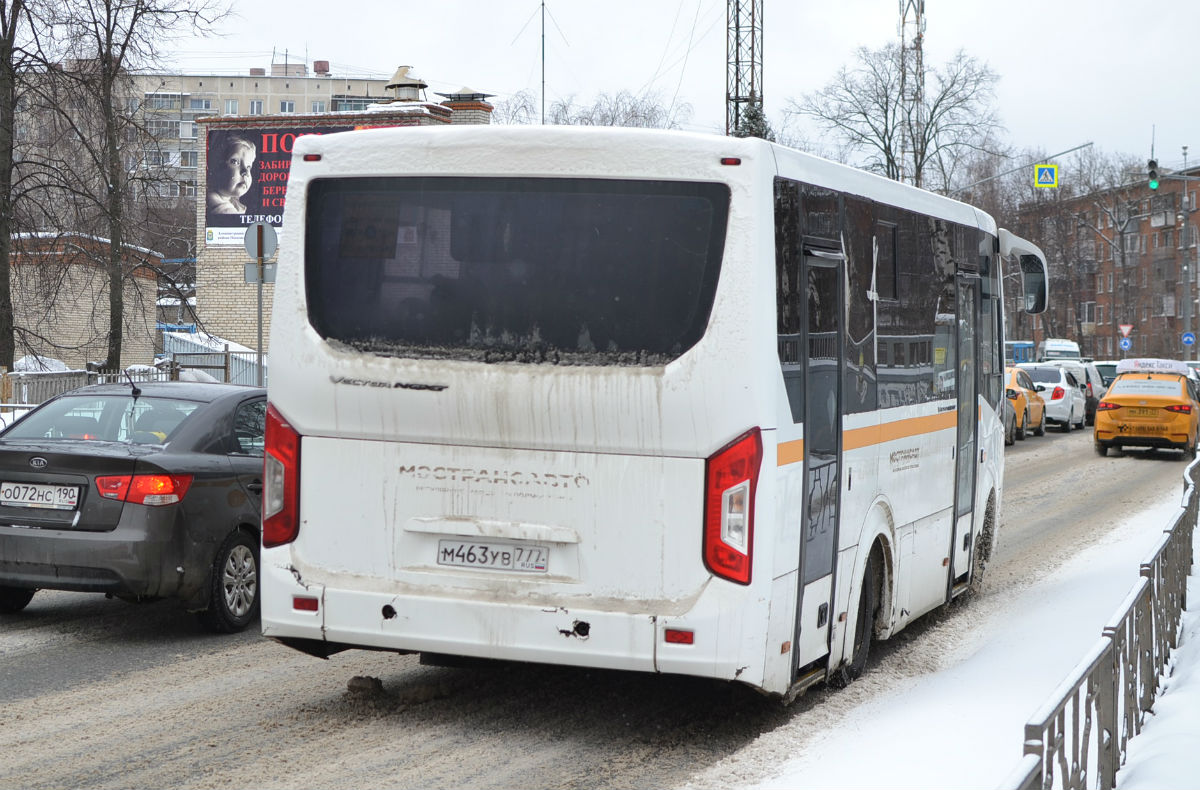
(1111, 72)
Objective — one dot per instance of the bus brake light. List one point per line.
(731, 479)
(281, 481)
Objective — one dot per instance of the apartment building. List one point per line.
(174, 103)
(1123, 266)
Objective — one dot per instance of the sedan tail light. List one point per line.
(1180, 408)
(730, 481)
(281, 481)
(144, 489)
(1106, 406)
(1058, 393)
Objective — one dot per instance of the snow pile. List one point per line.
(36, 363)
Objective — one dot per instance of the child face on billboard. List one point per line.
(233, 177)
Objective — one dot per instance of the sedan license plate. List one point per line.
(1143, 412)
(39, 495)
(493, 556)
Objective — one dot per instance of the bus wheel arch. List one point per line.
(873, 591)
(985, 541)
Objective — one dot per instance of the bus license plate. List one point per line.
(39, 495)
(493, 556)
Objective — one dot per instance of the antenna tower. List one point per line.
(743, 52)
(912, 87)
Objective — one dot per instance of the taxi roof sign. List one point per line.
(1152, 365)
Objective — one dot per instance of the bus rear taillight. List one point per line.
(730, 481)
(281, 481)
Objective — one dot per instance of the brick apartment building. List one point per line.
(1120, 258)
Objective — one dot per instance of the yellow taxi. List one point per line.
(1027, 403)
(1150, 403)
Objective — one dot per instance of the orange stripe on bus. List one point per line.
(793, 451)
(790, 452)
(900, 429)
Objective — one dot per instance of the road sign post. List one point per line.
(261, 242)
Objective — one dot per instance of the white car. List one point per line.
(1065, 395)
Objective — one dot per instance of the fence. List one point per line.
(30, 388)
(1078, 739)
(221, 359)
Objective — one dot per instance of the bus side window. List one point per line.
(789, 304)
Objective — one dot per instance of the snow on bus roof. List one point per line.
(1151, 365)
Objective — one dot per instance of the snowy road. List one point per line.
(97, 693)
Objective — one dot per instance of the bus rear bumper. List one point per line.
(495, 630)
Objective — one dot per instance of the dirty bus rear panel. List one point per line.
(502, 364)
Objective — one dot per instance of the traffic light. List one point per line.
(1152, 168)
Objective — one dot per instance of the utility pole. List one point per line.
(743, 54)
(912, 88)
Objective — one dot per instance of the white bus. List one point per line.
(628, 399)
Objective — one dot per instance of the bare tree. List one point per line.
(17, 41)
(519, 108)
(97, 164)
(863, 108)
(621, 109)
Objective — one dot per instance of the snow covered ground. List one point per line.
(943, 731)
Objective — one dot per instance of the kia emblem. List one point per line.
(37, 462)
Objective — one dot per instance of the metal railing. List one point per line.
(1079, 738)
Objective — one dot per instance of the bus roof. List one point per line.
(653, 153)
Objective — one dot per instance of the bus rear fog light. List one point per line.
(302, 603)
(677, 636)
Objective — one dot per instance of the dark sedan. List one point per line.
(141, 492)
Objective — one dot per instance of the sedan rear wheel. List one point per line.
(1041, 429)
(1101, 449)
(14, 599)
(1022, 431)
(233, 596)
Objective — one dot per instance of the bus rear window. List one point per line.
(567, 271)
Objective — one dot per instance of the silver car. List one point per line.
(1065, 395)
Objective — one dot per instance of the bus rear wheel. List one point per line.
(864, 629)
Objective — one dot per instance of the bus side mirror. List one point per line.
(1033, 284)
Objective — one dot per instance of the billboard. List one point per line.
(246, 179)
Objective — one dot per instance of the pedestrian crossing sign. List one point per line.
(1045, 175)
